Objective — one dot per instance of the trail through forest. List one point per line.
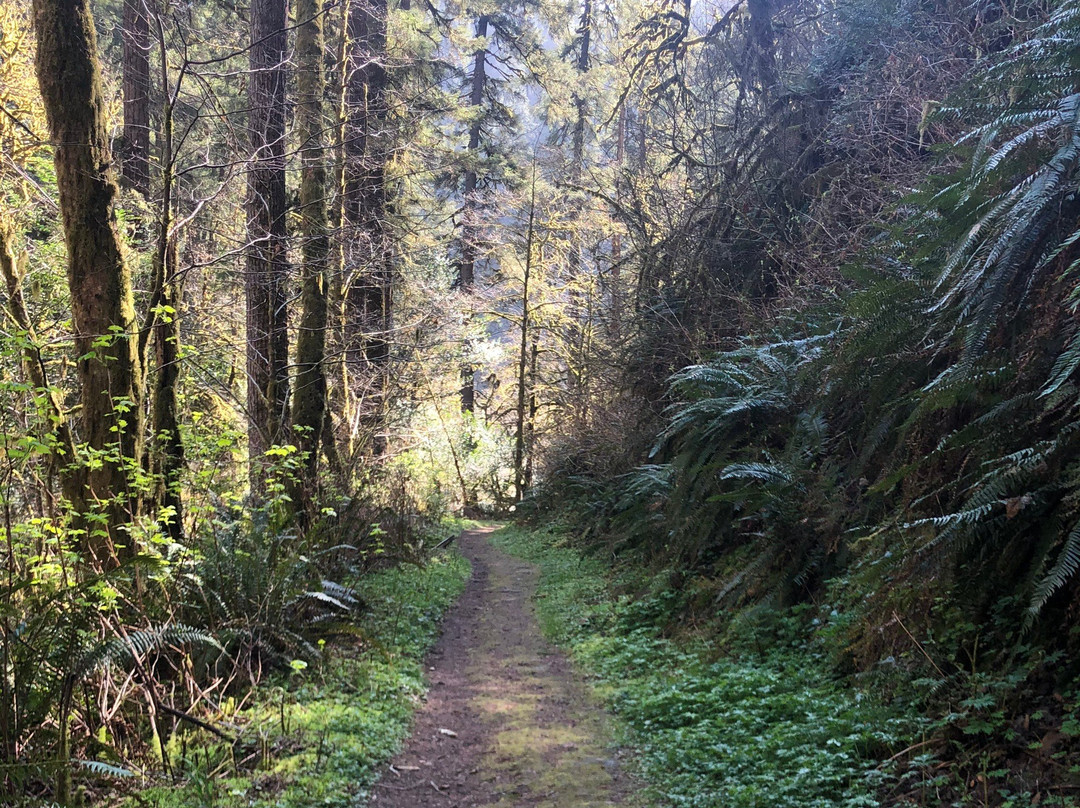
(506, 722)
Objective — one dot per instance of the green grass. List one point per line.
(319, 736)
(750, 729)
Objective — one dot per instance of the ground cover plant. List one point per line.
(763, 703)
(762, 722)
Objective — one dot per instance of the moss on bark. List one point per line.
(103, 313)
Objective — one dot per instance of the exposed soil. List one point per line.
(506, 722)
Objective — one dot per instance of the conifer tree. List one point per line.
(266, 269)
(134, 154)
(309, 393)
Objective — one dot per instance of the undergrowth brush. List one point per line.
(317, 735)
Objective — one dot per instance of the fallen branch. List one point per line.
(197, 722)
(911, 748)
(444, 543)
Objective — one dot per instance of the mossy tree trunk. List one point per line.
(267, 261)
(309, 393)
(168, 454)
(103, 314)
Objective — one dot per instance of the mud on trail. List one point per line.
(506, 722)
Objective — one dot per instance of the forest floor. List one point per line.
(507, 721)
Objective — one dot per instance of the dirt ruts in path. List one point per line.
(506, 722)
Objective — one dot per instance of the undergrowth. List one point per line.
(318, 736)
(765, 724)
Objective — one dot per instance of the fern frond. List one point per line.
(761, 472)
(1064, 568)
(1064, 367)
(103, 769)
(139, 643)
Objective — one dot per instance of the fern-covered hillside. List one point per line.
(852, 388)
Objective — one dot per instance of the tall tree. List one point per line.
(580, 103)
(470, 201)
(524, 418)
(267, 261)
(309, 393)
(167, 454)
(103, 314)
(369, 274)
(135, 145)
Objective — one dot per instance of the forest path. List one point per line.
(506, 722)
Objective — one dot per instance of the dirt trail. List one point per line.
(506, 722)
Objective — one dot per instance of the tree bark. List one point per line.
(309, 393)
(135, 145)
(103, 314)
(469, 229)
(267, 262)
(369, 274)
(168, 446)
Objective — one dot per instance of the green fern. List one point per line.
(104, 769)
(1068, 561)
(136, 644)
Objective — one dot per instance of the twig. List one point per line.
(911, 748)
(918, 644)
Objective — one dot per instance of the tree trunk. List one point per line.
(103, 314)
(762, 45)
(267, 262)
(168, 454)
(580, 106)
(339, 400)
(469, 229)
(530, 423)
(135, 145)
(616, 238)
(369, 275)
(309, 395)
(523, 355)
(168, 446)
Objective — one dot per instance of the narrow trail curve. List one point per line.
(506, 722)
